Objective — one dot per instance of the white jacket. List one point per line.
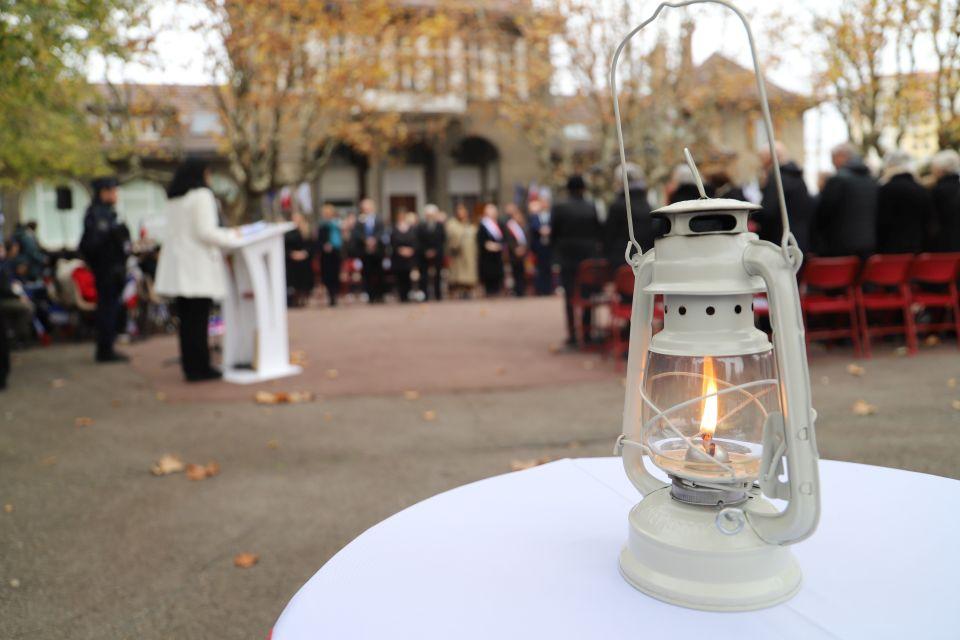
(191, 264)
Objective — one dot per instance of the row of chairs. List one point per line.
(909, 287)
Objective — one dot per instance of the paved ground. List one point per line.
(100, 549)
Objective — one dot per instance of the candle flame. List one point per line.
(708, 422)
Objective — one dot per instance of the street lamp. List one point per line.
(715, 406)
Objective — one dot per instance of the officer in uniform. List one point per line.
(105, 246)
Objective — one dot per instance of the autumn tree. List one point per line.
(45, 46)
(296, 79)
(940, 19)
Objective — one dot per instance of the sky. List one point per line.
(179, 57)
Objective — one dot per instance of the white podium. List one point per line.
(255, 339)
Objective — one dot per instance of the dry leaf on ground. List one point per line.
(273, 444)
(333, 374)
(327, 417)
(863, 408)
(58, 383)
(161, 396)
(520, 465)
(115, 404)
(430, 415)
(483, 312)
(298, 358)
(500, 371)
(14, 583)
(8, 508)
(931, 340)
(212, 468)
(282, 397)
(952, 383)
(554, 348)
(955, 404)
(245, 560)
(411, 394)
(196, 472)
(900, 351)
(166, 465)
(83, 422)
(855, 370)
(49, 461)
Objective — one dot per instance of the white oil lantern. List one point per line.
(717, 407)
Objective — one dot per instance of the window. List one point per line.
(204, 123)
(141, 206)
(56, 228)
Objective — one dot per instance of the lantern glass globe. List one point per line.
(703, 416)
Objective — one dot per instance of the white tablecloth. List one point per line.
(534, 555)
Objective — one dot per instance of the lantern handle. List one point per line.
(788, 244)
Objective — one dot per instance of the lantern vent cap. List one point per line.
(707, 205)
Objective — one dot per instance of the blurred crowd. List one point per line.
(532, 246)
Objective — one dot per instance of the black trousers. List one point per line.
(330, 273)
(4, 351)
(543, 282)
(373, 278)
(109, 290)
(568, 278)
(431, 273)
(519, 269)
(194, 316)
(404, 284)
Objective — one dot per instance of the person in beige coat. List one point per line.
(462, 249)
(191, 268)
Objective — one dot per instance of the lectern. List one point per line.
(255, 340)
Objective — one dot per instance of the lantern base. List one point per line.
(676, 553)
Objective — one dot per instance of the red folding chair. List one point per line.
(828, 289)
(885, 286)
(936, 271)
(589, 291)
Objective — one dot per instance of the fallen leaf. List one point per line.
(955, 404)
(520, 465)
(282, 397)
(931, 340)
(863, 408)
(900, 351)
(430, 415)
(952, 383)
(333, 374)
(411, 394)
(483, 312)
(83, 422)
(855, 370)
(8, 508)
(49, 461)
(115, 404)
(58, 383)
(298, 358)
(161, 396)
(245, 560)
(554, 348)
(327, 417)
(167, 464)
(14, 583)
(273, 444)
(500, 371)
(196, 472)
(212, 468)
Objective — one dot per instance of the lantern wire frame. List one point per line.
(788, 243)
(663, 414)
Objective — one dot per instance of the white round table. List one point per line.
(534, 555)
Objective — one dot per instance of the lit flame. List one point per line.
(708, 422)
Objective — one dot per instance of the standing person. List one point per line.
(490, 247)
(367, 244)
(616, 234)
(517, 248)
(721, 185)
(800, 204)
(403, 239)
(904, 208)
(541, 247)
(845, 222)
(105, 245)
(330, 240)
(461, 234)
(191, 268)
(575, 236)
(298, 246)
(945, 167)
(431, 239)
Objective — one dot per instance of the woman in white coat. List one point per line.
(191, 268)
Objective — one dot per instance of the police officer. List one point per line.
(105, 246)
